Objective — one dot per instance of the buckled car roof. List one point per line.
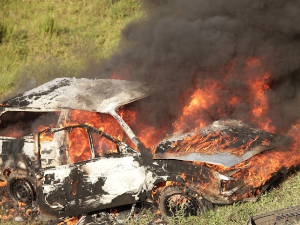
(100, 95)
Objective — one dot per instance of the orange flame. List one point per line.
(203, 106)
(70, 221)
(3, 183)
(207, 99)
(79, 146)
(212, 143)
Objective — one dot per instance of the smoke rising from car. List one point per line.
(184, 45)
(179, 42)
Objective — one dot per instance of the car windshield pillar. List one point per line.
(145, 153)
(126, 128)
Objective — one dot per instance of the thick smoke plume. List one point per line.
(220, 49)
(186, 44)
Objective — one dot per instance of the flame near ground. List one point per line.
(207, 103)
(204, 105)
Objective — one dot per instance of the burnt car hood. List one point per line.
(98, 95)
(224, 142)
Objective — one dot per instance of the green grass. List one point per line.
(287, 195)
(41, 40)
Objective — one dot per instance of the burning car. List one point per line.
(70, 167)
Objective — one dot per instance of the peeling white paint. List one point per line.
(108, 165)
(60, 172)
(151, 178)
(28, 149)
(21, 165)
(123, 182)
(49, 188)
(120, 175)
(102, 95)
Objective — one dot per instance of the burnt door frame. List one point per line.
(67, 190)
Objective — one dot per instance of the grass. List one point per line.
(3, 31)
(11, 222)
(41, 40)
(287, 195)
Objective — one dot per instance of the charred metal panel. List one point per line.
(49, 156)
(234, 151)
(222, 159)
(99, 95)
(238, 189)
(90, 185)
(201, 179)
(18, 155)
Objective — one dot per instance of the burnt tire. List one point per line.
(22, 191)
(172, 200)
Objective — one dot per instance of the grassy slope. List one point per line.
(56, 37)
(46, 39)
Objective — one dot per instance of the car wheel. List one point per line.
(173, 200)
(21, 191)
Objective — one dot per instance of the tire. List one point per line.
(21, 189)
(173, 199)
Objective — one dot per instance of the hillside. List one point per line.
(41, 40)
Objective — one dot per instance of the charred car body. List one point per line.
(44, 170)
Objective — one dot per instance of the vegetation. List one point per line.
(287, 195)
(41, 40)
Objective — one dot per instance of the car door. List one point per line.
(100, 175)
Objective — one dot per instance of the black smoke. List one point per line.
(179, 41)
(181, 45)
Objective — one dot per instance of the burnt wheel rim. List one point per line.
(102, 218)
(22, 191)
(181, 203)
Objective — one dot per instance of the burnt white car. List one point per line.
(40, 164)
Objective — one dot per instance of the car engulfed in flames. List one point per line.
(65, 146)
